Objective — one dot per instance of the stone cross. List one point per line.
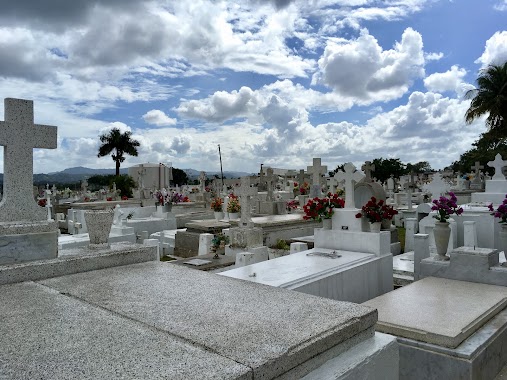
(316, 170)
(246, 193)
(48, 204)
(351, 176)
(269, 179)
(19, 136)
(477, 169)
(332, 184)
(367, 168)
(498, 165)
(202, 181)
(301, 177)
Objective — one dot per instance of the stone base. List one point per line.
(27, 242)
(480, 357)
(256, 255)
(345, 220)
(495, 198)
(246, 237)
(272, 208)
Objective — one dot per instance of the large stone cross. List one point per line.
(477, 168)
(301, 177)
(367, 168)
(202, 182)
(19, 136)
(270, 179)
(245, 193)
(498, 164)
(316, 170)
(351, 176)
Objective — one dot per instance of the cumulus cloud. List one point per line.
(495, 52)
(158, 118)
(501, 5)
(362, 70)
(451, 80)
(116, 124)
(181, 144)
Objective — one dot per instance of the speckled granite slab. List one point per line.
(267, 329)
(438, 310)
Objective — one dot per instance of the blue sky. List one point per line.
(273, 82)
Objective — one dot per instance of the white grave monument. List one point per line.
(25, 231)
(317, 171)
(496, 188)
(346, 219)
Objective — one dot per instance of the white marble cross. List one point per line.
(316, 170)
(367, 168)
(351, 176)
(477, 168)
(19, 136)
(246, 193)
(301, 177)
(270, 179)
(498, 164)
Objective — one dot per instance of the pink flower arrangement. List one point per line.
(501, 211)
(446, 207)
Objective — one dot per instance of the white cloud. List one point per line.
(501, 5)
(361, 70)
(495, 52)
(158, 118)
(433, 56)
(451, 80)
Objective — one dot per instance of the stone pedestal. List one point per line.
(21, 242)
(495, 192)
(345, 220)
(187, 242)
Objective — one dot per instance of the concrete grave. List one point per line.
(496, 188)
(25, 231)
(65, 313)
(461, 333)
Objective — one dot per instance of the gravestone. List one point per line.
(364, 190)
(437, 187)
(496, 188)
(316, 170)
(269, 180)
(25, 232)
(246, 192)
(367, 168)
(202, 182)
(477, 183)
(346, 218)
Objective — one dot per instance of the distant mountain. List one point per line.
(81, 170)
(194, 174)
(78, 173)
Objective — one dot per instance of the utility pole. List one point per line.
(221, 170)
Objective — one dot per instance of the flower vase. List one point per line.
(327, 224)
(99, 224)
(219, 215)
(375, 227)
(503, 237)
(234, 215)
(386, 224)
(165, 208)
(442, 234)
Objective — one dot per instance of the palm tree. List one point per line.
(121, 143)
(490, 97)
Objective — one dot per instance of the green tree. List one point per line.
(124, 183)
(120, 143)
(179, 177)
(490, 97)
(484, 150)
(385, 167)
(419, 167)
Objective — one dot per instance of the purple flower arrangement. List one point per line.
(501, 211)
(446, 207)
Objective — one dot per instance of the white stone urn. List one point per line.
(375, 227)
(99, 224)
(219, 215)
(503, 237)
(442, 234)
(234, 215)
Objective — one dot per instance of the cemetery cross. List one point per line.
(317, 170)
(245, 193)
(270, 182)
(19, 136)
(498, 164)
(351, 176)
(367, 168)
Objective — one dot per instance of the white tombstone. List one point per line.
(205, 244)
(246, 192)
(19, 212)
(437, 187)
(469, 234)
(270, 180)
(316, 170)
(345, 219)
(367, 168)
